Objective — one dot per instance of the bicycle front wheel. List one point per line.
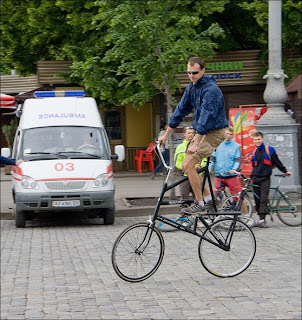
(246, 208)
(289, 208)
(137, 252)
(227, 263)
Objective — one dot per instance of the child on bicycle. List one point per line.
(263, 160)
(225, 161)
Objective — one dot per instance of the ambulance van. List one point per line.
(67, 160)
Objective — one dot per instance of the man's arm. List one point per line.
(7, 161)
(162, 139)
(279, 164)
(237, 161)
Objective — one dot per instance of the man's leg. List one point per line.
(261, 204)
(185, 189)
(206, 147)
(195, 180)
(189, 168)
(257, 194)
(264, 193)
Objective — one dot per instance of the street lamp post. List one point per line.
(279, 128)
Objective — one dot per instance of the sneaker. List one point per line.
(194, 209)
(183, 205)
(210, 205)
(262, 224)
(152, 175)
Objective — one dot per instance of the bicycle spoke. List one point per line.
(137, 252)
(229, 263)
(289, 208)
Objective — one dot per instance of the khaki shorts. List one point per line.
(209, 143)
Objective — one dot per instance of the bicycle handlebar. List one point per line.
(283, 175)
(160, 155)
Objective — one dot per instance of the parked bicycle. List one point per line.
(287, 205)
(224, 252)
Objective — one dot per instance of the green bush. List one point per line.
(9, 131)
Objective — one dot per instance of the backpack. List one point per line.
(266, 161)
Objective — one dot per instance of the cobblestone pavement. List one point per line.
(61, 269)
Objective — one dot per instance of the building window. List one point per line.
(113, 124)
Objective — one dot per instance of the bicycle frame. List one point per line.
(166, 187)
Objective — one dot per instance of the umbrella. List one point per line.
(7, 101)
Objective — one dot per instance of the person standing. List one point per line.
(164, 150)
(209, 120)
(263, 160)
(225, 161)
(185, 187)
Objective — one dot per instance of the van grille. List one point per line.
(65, 185)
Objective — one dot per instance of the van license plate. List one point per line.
(66, 203)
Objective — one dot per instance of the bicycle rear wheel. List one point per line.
(290, 203)
(137, 252)
(242, 249)
(246, 208)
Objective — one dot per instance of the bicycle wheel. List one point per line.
(242, 249)
(164, 227)
(137, 252)
(290, 203)
(231, 204)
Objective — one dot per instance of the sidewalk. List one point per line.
(128, 184)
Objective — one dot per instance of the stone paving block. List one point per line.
(65, 271)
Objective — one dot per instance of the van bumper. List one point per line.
(46, 201)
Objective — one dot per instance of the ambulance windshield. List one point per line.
(64, 142)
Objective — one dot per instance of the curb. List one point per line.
(127, 212)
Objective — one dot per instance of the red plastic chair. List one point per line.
(145, 156)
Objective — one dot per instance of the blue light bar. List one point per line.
(52, 94)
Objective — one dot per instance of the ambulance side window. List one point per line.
(16, 145)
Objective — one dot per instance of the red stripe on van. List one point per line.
(17, 170)
(109, 168)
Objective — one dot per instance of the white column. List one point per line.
(279, 128)
(275, 93)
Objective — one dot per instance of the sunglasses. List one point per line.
(187, 128)
(193, 72)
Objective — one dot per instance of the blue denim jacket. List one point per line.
(207, 100)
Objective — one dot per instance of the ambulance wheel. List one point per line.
(108, 215)
(20, 219)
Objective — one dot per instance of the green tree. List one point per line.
(291, 30)
(134, 57)
(33, 30)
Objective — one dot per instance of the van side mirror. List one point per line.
(5, 152)
(119, 151)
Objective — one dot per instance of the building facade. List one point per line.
(238, 74)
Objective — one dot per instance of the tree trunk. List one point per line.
(168, 96)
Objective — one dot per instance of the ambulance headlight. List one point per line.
(29, 183)
(101, 181)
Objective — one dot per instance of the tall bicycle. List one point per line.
(287, 205)
(224, 252)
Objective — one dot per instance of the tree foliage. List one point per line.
(125, 51)
(138, 43)
(291, 21)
